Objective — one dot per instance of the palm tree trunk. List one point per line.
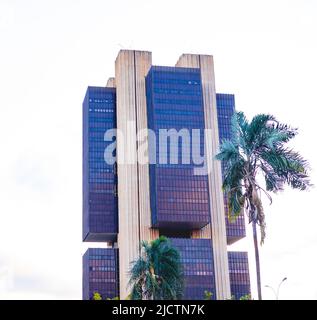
(257, 260)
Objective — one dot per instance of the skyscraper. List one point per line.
(145, 179)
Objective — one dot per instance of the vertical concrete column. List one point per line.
(129, 232)
(143, 62)
(131, 68)
(218, 226)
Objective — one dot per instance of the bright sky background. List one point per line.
(50, 51)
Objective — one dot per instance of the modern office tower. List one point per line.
(144, 188)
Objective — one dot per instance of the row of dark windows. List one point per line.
(176, 194)
(181, 81)
(183, 215)
(181, 112)
(158, 91)
(172, 100)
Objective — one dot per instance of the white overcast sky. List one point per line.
(50, 50)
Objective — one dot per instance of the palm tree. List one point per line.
(157, 273)
(258, 148)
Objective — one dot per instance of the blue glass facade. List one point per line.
(100, 273)
(100, 270)
(179, 199)
(225, 110)
(197, 260)
(100, 203)
(239, 274)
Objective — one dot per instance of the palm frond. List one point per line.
(228, 151)
(288, 166)
(259, 146)
(239, 125)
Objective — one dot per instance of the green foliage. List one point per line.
(157, 273)
(246, 297)
(96, 296)
(208, 295)
(258, 147)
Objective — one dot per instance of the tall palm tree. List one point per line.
(157, 273)
(259, 148)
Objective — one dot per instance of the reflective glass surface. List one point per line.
(179, 199)
(239, 274)
(100, 208)
(100, 273)
(225, 110)
(197, 260)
